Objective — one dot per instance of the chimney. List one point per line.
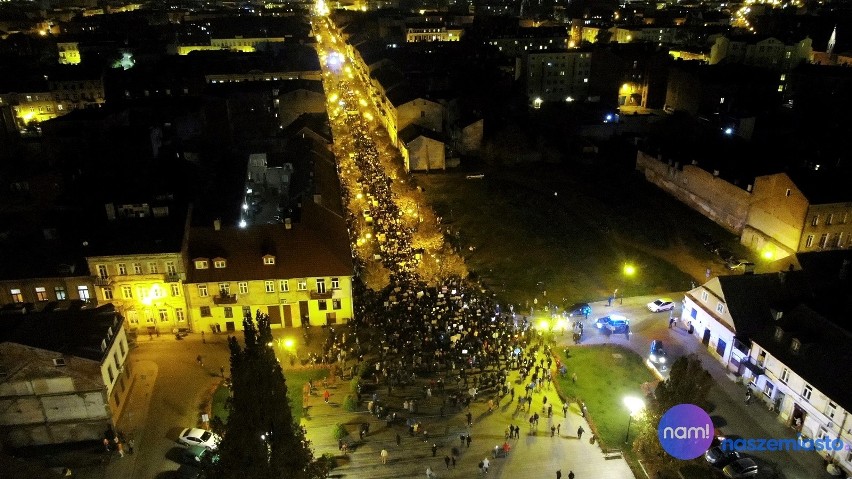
(716, 173)
(288, 224)
(749, 188)
(217, 224)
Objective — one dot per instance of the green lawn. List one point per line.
(605, 376)
(571, 231)
(296, 379)
(220, 398)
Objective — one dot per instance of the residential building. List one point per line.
(297, 273)
(774, 214)
(422, 149)
(432, 33)
(64, 375)
(557, 75)
(761, 51)
(517, 42)
(138, 265)
(780, 333)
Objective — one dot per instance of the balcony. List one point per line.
(174, 277)
(324, 295)
(223, 298)
(102, 281)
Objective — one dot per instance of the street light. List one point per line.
(634, 405)
(629, 270)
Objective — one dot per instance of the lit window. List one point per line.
(809, 241)
(785, 375)
(41, 294)
(201, 264)
(302, 285)
(269, 260)
(175, 289)
(126, 292)
(83, 292)
(224, 288)
(60, 293)
(17, 297)
(220, 263)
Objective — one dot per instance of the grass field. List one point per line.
(296, 379)
(605, 376)
(566, 230)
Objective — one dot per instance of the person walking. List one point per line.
(580, 432)
(106, 444)
(558, 427)
(565, 409)
(120, 448)
(429, 473)
(461, 439)
(559, 474)
(485, 465)
(398, 440)
(434, 449)
(552, 431)
(199, 360)
(130, 445)
(204, 341)
(469, 418)
(570, 474)
(384, 455)
(454, 461)
(574, 378)
(468, 441)
(447, 461)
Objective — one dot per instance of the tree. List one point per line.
(261, 440)
(688, 383)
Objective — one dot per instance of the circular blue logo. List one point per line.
(685, 431)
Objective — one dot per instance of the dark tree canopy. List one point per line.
(261, 440)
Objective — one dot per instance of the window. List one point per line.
(126, 292)
(720, 308)
(335, 283)
(789, 192)
(829, 219)
(164, 315)
(831, 410)
(270, 286)
(111, 374)
(60, 293)
(137, 268)
(795, 345)
(205, 311)
(202, 290)
(704, 296)
(335, 304)
(845, 218)
(785, 375)
(219, 264)
(152, 268)
(246, 311)
(201, 264)
(768, 388)
(107, 293)
(838, 240)
(807, 392)
(142, 292)
(179, 316)
(224, 288)
(815, 220)
(302, 285)
(41, 294)
(322, 305)
(693, 313)
(102, 271)
(809, 241)
(170, 267)
(122, 269)
(823, 240)
(83, 292)
(284, 285)
(269, 260)
(175, 289)
(321, 285)
(17, 297)
(243, 285)
(228, 311)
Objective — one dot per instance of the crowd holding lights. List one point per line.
(741, 20)
(420, 320)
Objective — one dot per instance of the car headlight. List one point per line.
(662, 359)
(653, 358)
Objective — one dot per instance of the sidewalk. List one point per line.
(534, 455)
(132, 419)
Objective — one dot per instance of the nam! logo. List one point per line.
(685, 431)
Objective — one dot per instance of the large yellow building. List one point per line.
(297, 274)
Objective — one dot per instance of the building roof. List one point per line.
(800, 304)
(318, 246)
(148, 235)
(71, 332)
(414, 131)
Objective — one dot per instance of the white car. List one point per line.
(662, 304)
(198, 437)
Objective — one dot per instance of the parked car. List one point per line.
(198, 437)
(720, 457)
(662, 304)
(199, 456)
(579, 309)
(186, 471)
(741, 468)
(614, 323)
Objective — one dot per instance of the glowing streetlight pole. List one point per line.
(634, 405)
(629, 270)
